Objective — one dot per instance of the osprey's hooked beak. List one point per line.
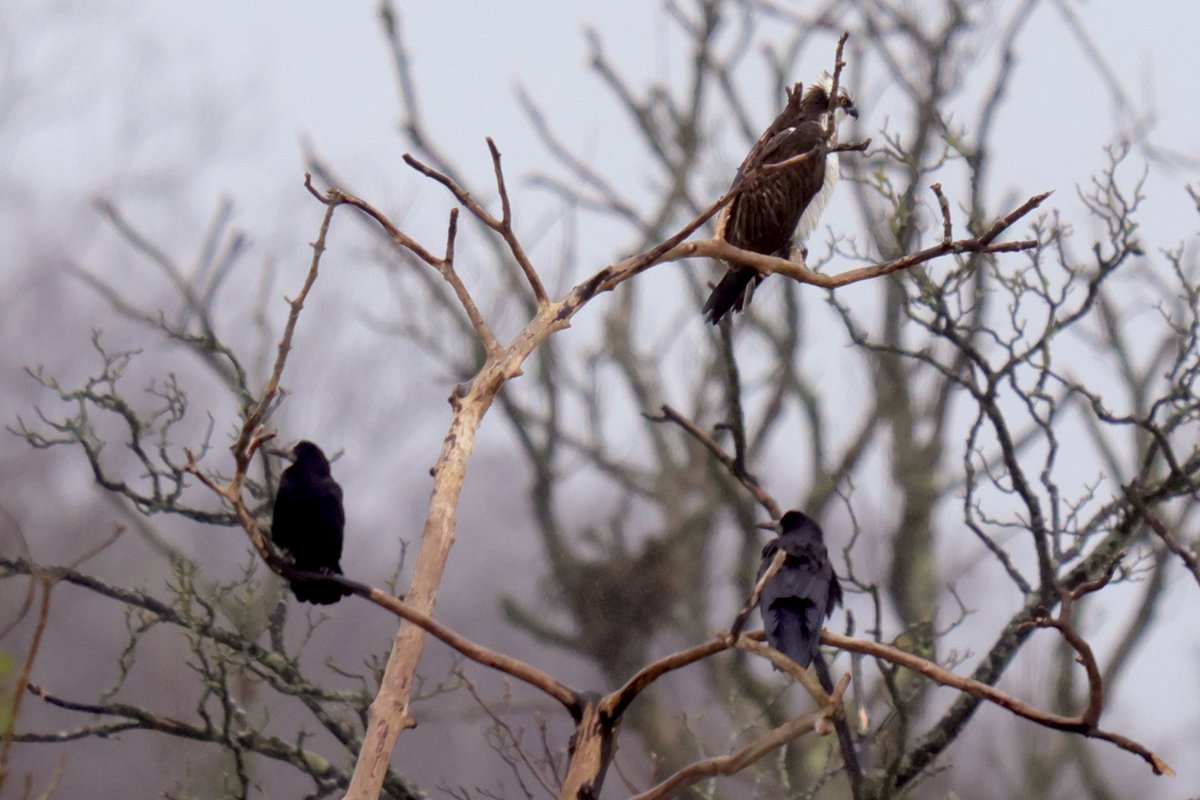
(773, 526)
(852, 111)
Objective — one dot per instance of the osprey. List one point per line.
(797, 598)
(781, 207)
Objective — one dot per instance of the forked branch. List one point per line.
(761, 495)
(502, 226)
(736, 762)
(444, 265)
(1082, 723)
(766, 265)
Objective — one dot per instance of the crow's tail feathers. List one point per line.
(791, 633)
(321, 592)
(732, 293)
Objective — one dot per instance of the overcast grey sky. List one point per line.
(167, 106)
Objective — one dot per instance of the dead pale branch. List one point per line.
(598, 717)
(476, 652)
(45, 580)
(718, 249)
(444, 265)
(919, 321)
(470, 407)
(940, 675)
(252, 434)
(502, 226)
(763, 745)
(389, 714)
(739, 622)
(761, 496)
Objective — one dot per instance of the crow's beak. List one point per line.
(772, 526)
(286, 455)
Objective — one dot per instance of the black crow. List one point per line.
(798, 598)
(308, 523)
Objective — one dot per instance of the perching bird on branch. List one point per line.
(783, 207)
(309, 521)
(798, 598)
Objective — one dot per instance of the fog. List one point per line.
(167, 111)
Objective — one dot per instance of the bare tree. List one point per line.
(984, 422)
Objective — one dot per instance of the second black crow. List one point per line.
(309, 523)
(798, 598)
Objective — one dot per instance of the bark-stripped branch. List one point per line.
(718, 249)
(444, 265)
(502, 226)
(1083, 723)
(761, 495)
(736, 762)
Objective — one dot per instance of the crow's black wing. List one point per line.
(309, 523)
(287, 521)
(309, 519)
(797, 599)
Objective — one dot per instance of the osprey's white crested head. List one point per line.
(840, 107)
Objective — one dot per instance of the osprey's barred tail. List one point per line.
(731, 294)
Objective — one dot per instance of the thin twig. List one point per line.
(1160, 529)
(743, 615)
(444, 265)
(983, 691)
(616, 702)
(502, 226)
(46, 580)
(476, 652)
(765, 264)
(736, 762)
(509, 235)
(761, 495)
(753, 643)
(838, 65)
(944, 205)
(508, 731)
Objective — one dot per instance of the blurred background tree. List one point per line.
(978, 434)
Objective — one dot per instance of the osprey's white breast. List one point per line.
(812, 212)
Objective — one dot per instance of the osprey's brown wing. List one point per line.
(763, 218)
